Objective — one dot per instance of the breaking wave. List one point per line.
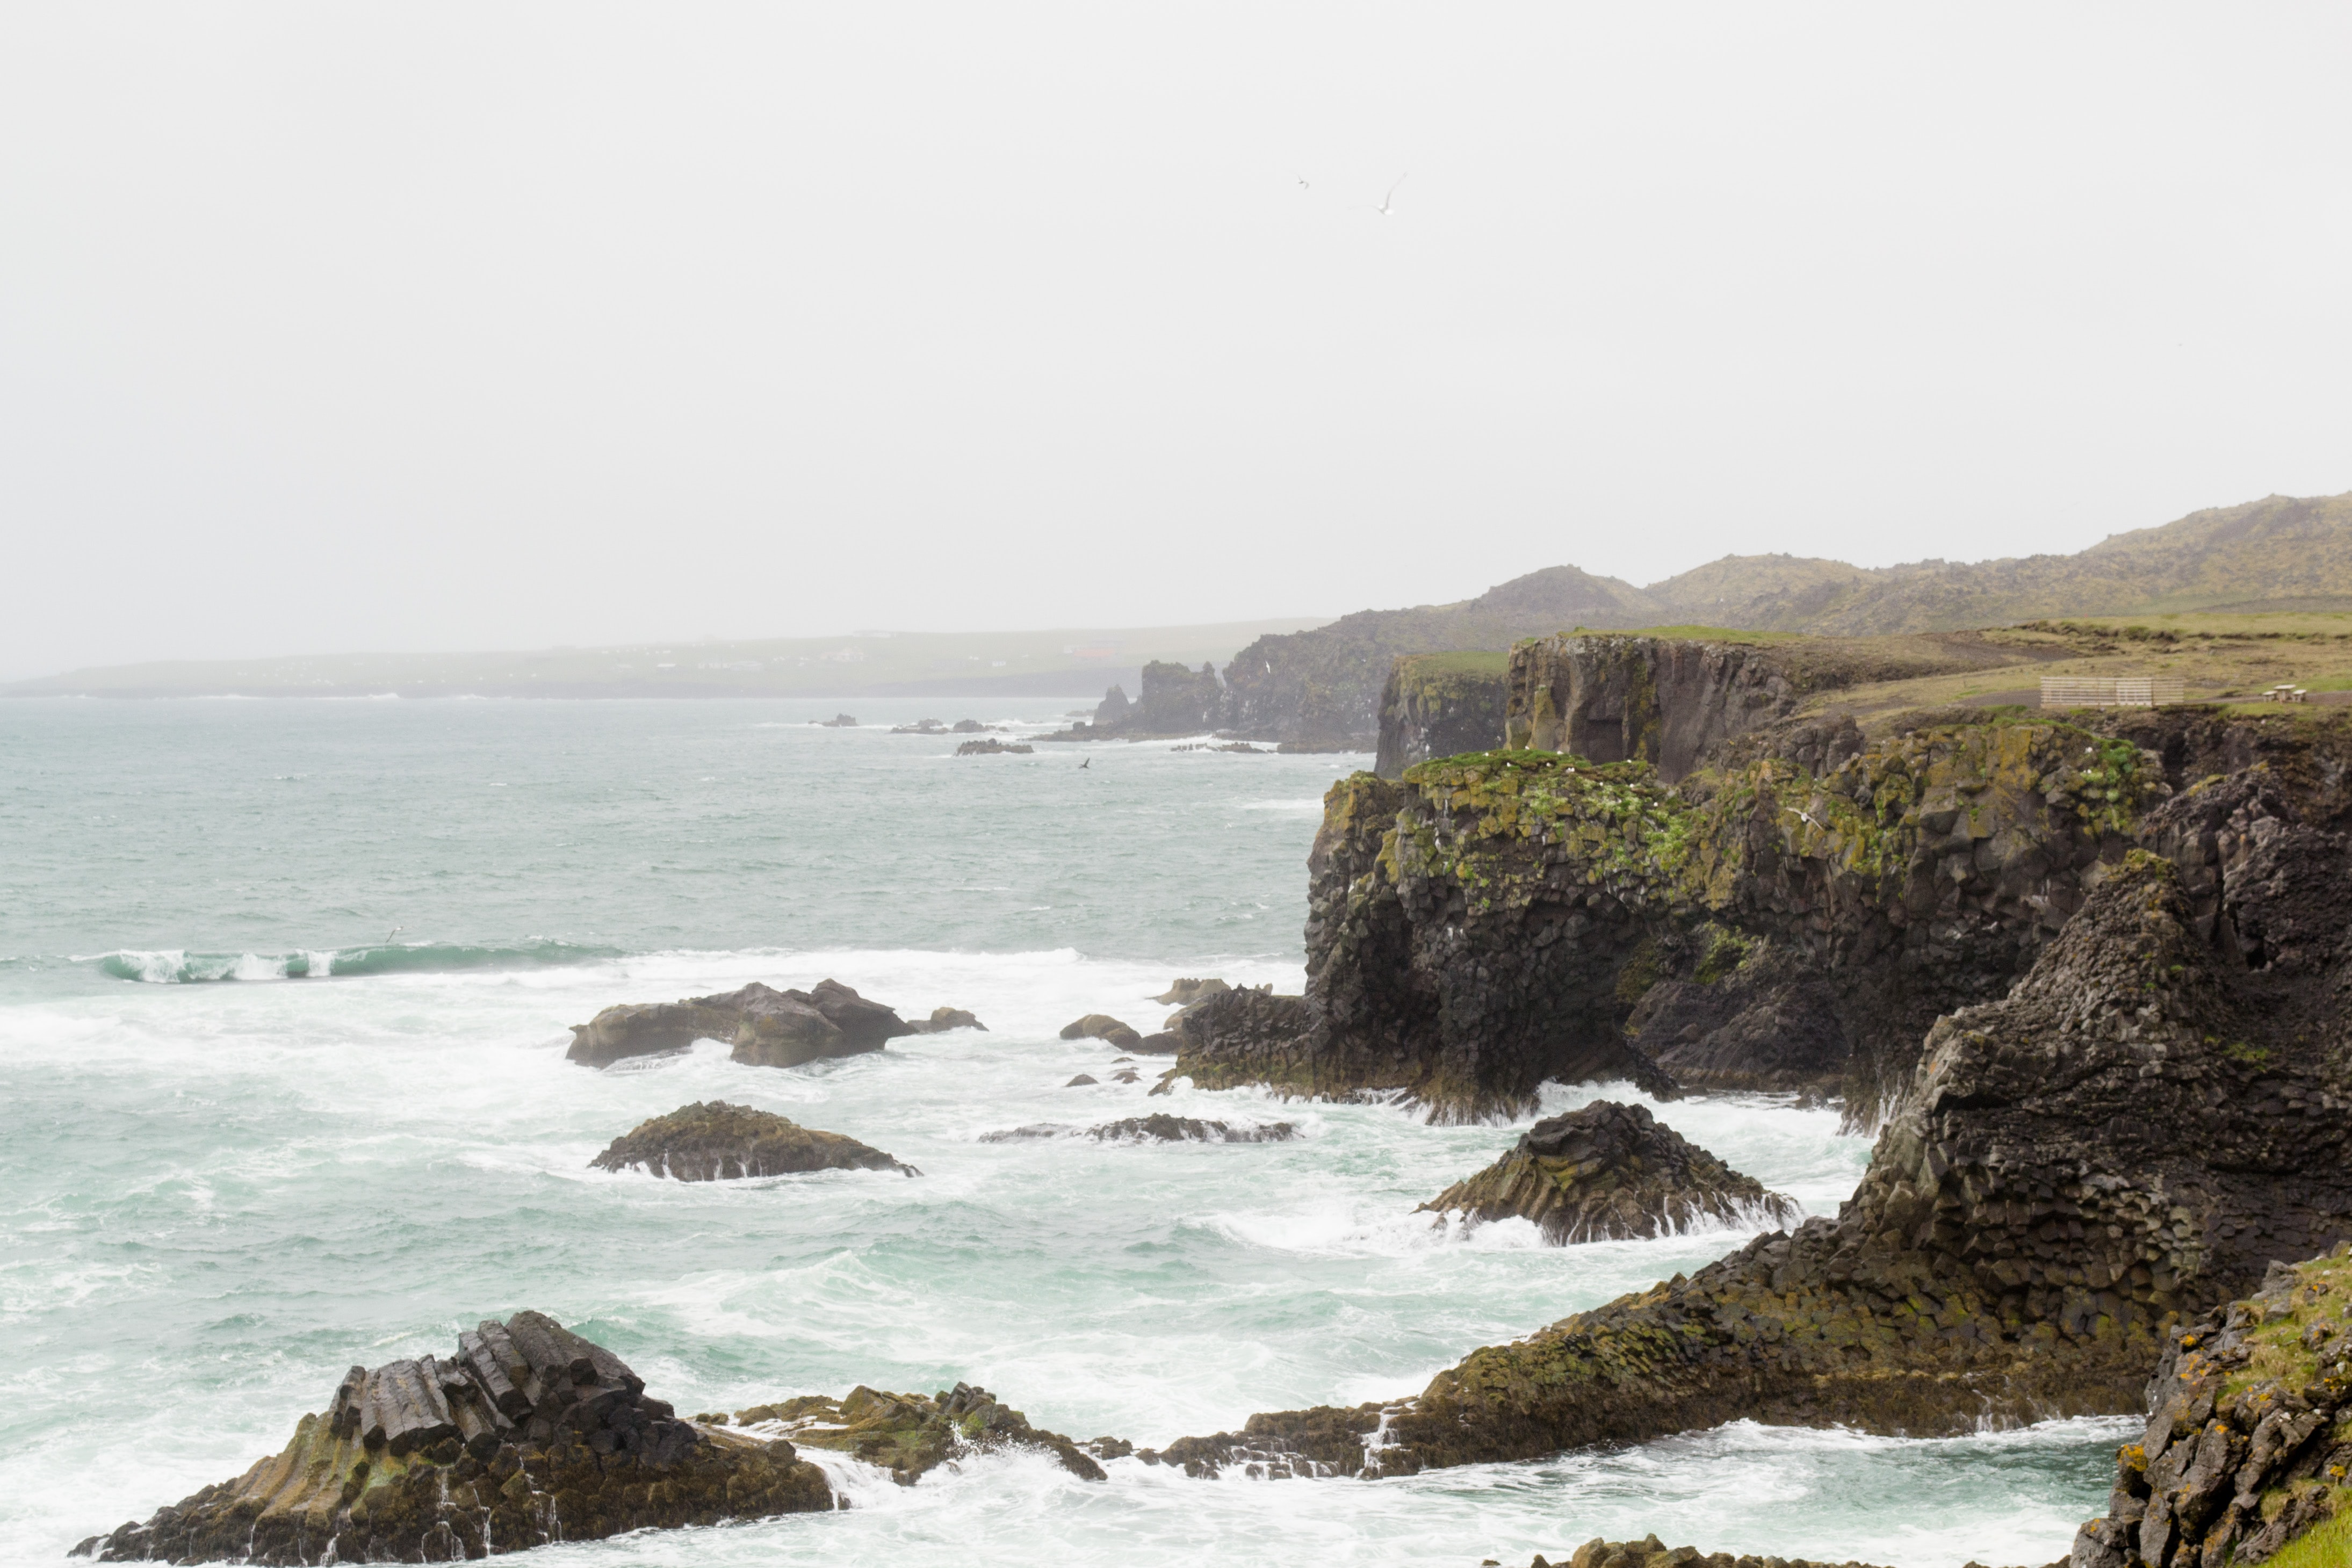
(178, 966)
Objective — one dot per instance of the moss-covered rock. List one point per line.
(2249, 1441)
(1610, 1172)
(529, 1434)
(911, 1434)
(713, 1141)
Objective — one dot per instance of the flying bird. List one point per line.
(1090, 762)
(1383, 208)
(1302, 184)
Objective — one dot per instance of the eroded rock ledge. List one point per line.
(528, 1435)
(909, 1434)
(1611, 1172)
(2133, 1134)
(1157, 1128)
(1652, 1553)
(713, 1141)
(2247, 1445)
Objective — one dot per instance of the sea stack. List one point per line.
(714, 1141)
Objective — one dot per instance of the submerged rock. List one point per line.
(528, 1435)
(838, 721)
(2135, 1132)
(945, 1019)
(1159, 1128)
(1611, 1172)
(2244, 1450)
(993, 748)
(1102, 1026)
(768, 1028)
(714, 1141)
(920, 726)
(908, 1434)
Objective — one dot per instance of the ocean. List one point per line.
(284, 989)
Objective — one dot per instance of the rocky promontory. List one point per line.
(2249, 1440)
(1441, 704)
(1611, 1172)
(528, 1435)
(714, 1141)
(911, 1434)
(768, 1028)
(2130, 1135)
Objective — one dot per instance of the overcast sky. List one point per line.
(332, 327)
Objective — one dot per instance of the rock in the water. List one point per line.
(2244, 1443)
(714, 1141)
(768, 1028)
(968, 727)
(1162, 1128)
(528, 1435)
(838, 721)
(1102, 1026)
(1653, 1552)
(920, 726)
(993, 748)
(908, 1433)
(1113, 709)
(1166, 1042)
(1612, 1172)
(1184, 993)
(1081, 1080)
(945, 1019)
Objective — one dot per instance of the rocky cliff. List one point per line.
(2249, 1439)
(1796, 918)
(528, 1435)
(2130, 1135)
(1663, 701)
(1439, 704)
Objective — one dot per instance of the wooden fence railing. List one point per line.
(2087, 691)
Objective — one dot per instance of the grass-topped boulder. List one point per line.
(713, 1141)
(1610, 1172)
(910, 1434)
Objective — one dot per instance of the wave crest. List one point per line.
(178, 966)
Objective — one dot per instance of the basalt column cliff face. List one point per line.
(2135, 1132)
(1663, 701)
(1794, 920)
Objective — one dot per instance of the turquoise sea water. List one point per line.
(283, 996)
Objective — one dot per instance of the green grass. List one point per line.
(1474, 662)
(2328, 1545)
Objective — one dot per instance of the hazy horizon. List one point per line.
(423, 328)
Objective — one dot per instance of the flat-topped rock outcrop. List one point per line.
(768, 1028)
(911, 1434)
(1611, 1172)
(713, 1141)
(2246, 1448)
(528, 1435)
(2136, 1131)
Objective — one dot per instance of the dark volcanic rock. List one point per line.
(714, 1141)
(993, 748)
(1611, 1171)
(920, 726)
(1185, 992)
(838, 721)
(768, 1027)
(2246, 1449)
(528, 1435)
(1081, 1080)
(1174, 701)
(1162, 1128)
(1102, 1026)
(2138, 1130)
(945, 1019)
(1441, 704)
(1653, 1552)
(1663, 701)
(968, 727)
(908, 1433)
(1113, 709)
(1165, 1042)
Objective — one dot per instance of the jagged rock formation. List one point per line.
(1184, 993)
(2246, 1448)
(1174, 701)
(1442, 705)
(993, 748)
(714, 1141)
(2136, 1131)
(908, 1433)
(1160, 1128)
(1793, 919)
(945, 1019)
(1611, 1172)
(1114, 707)
(769, 1028)
(1102, 1026)
(529, 1434)
(1652, 1553)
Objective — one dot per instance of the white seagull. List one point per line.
(1383, 208)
